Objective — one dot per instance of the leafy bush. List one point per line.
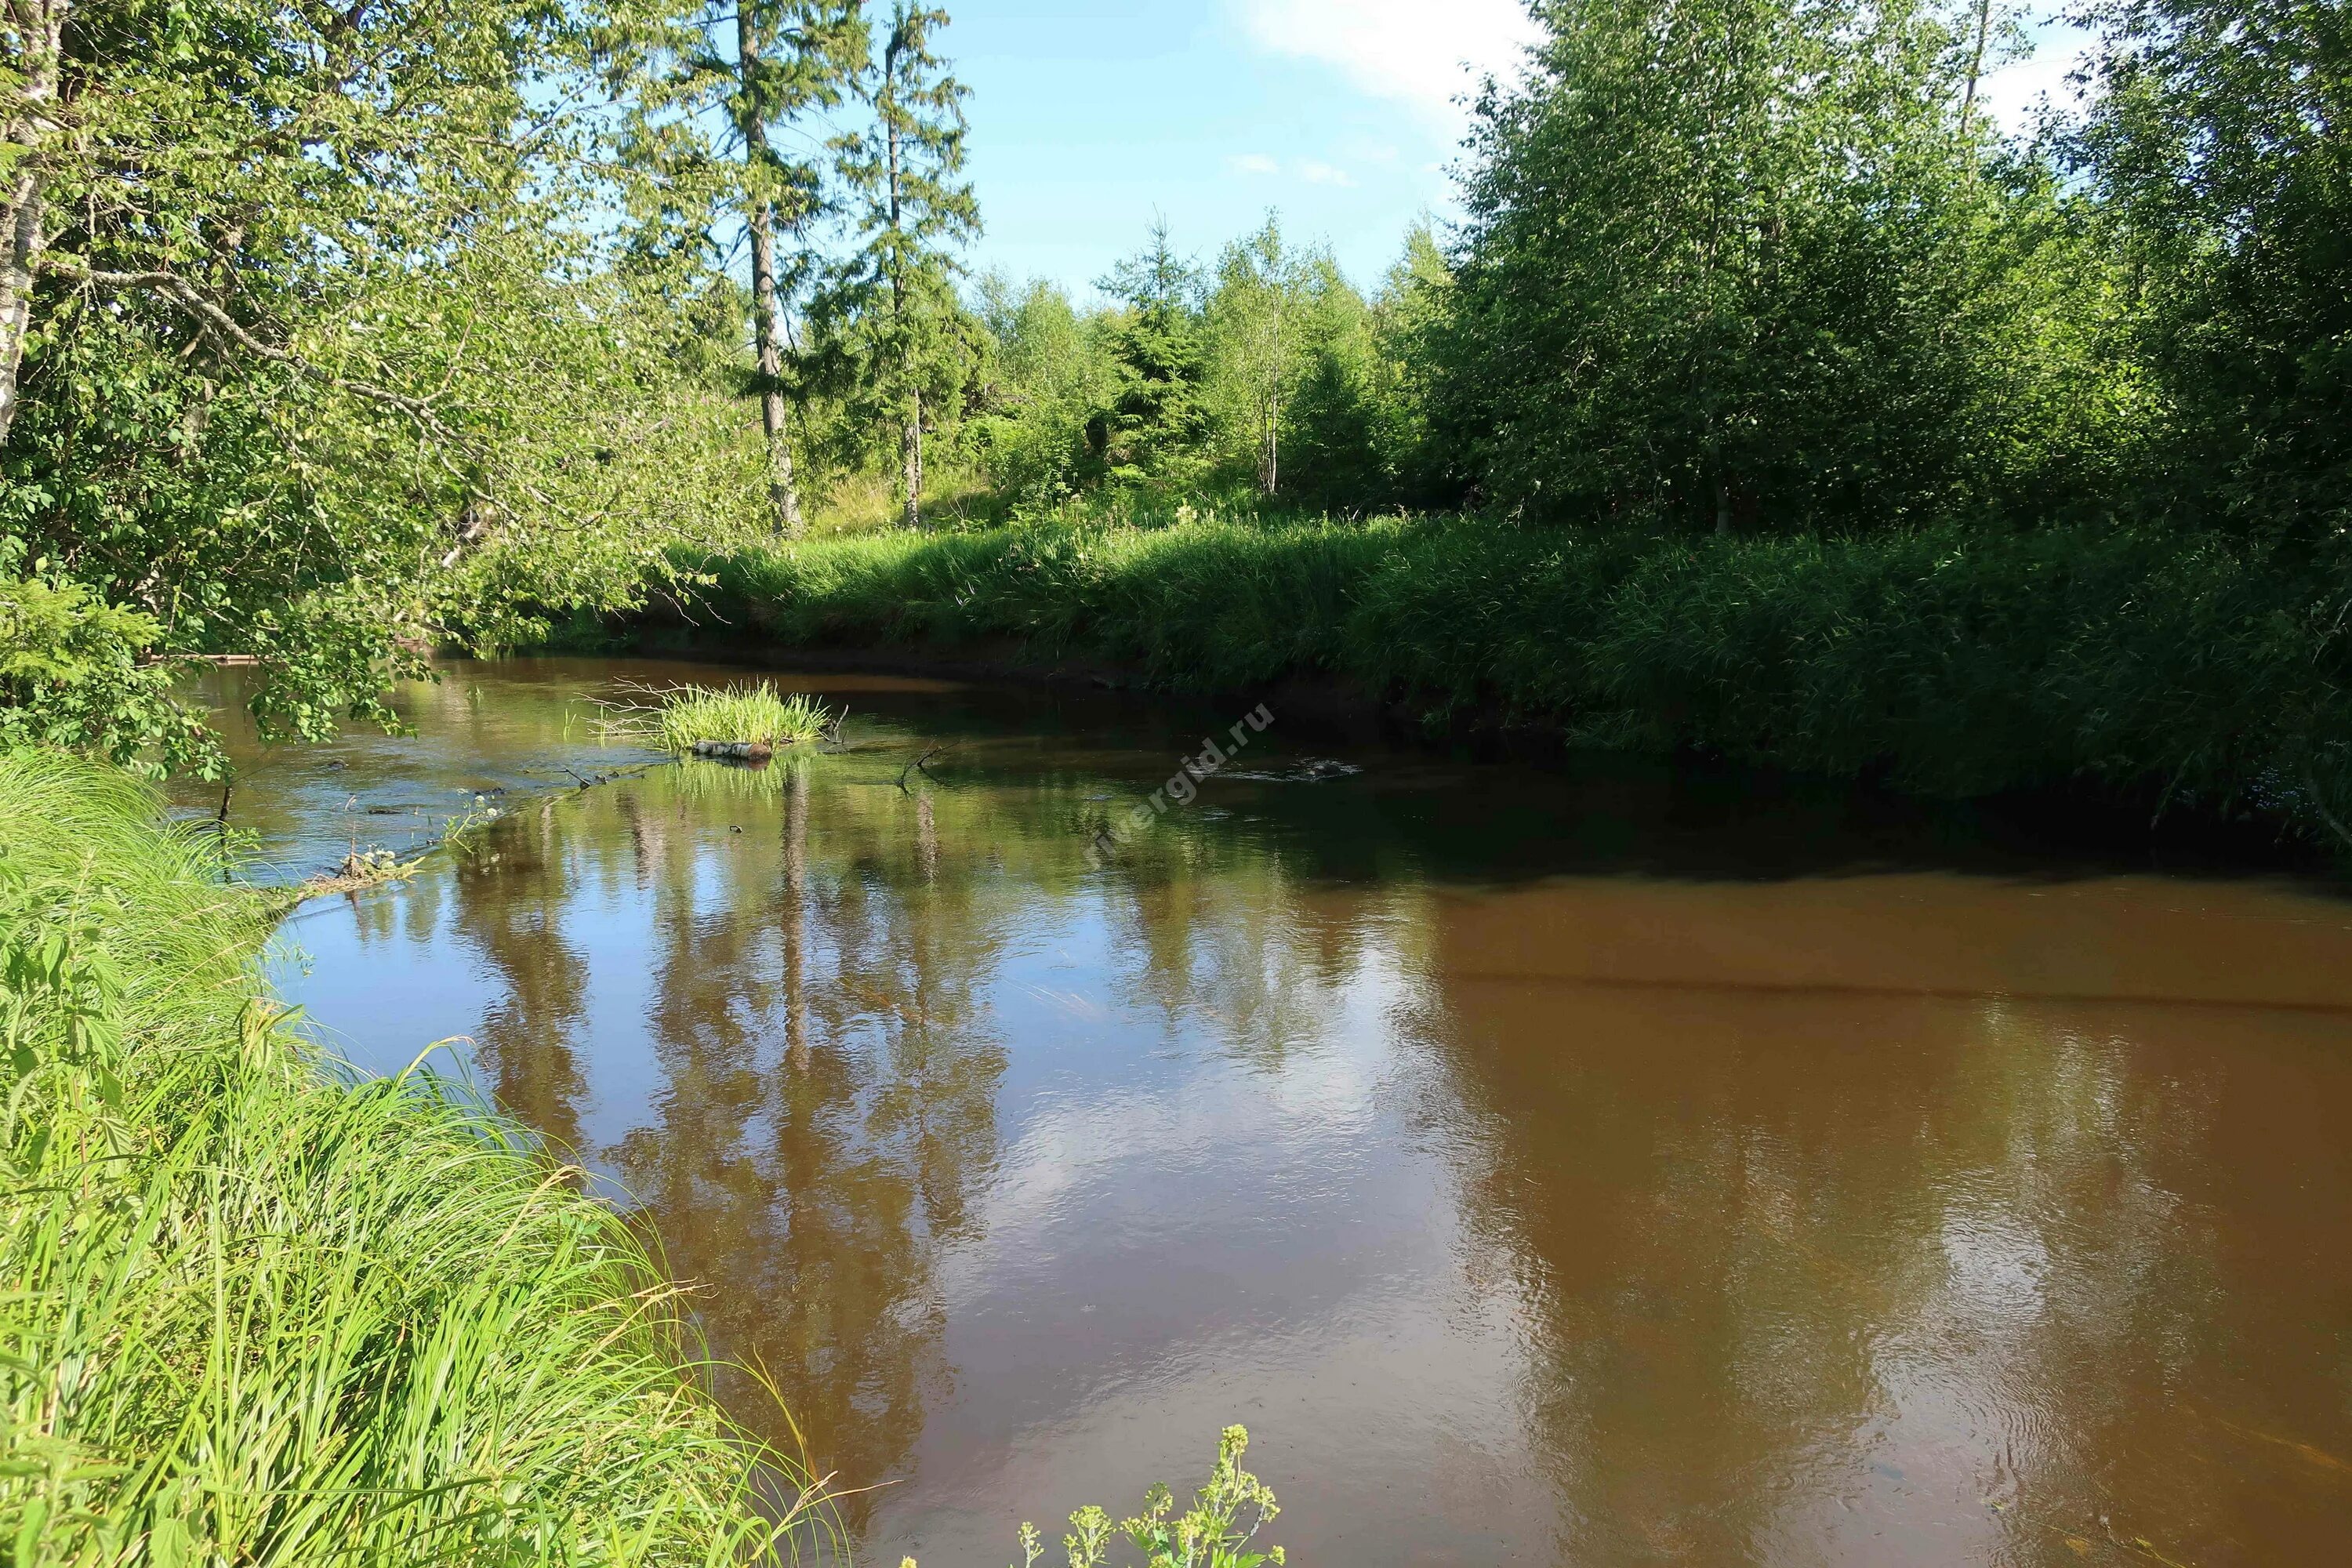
(72, 674)
(1215, 1532)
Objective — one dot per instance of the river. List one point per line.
(1586, 1163)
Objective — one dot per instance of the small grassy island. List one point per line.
(743, 722)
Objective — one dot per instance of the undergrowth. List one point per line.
(1219, 1531)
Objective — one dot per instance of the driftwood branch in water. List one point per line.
(928, 753)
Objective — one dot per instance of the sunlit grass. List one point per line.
(253, 1312)
(680, 719)
(869, 501)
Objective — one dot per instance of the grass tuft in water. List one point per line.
(680, 719)
(253, 1312)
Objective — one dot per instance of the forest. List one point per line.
(337, 338)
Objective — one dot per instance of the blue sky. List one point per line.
(1090, 116)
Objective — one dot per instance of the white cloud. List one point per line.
(1252, 163)
(1423, 53)
(1426, 53)
(1316, 173)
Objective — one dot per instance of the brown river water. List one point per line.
(1581, 1164)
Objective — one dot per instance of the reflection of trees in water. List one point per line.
(827, 1109)
(1800, 1268)
(826, 1094)
(1239, 949)
(829, 1085)
(1766, 1251)
(511, 909)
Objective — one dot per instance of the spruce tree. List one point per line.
(758, 68)
(892, 297)
(1158, 419)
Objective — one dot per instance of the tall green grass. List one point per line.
(2164, 666)
(1201, 603)
(678, 719)
(252, 1313)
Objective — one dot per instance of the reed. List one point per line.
(254, 1311)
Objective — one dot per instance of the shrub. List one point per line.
(2167, 665)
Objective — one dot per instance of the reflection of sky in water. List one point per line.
(1547, 1213)
(304, 807)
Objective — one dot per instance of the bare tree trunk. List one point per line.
(1976, 62)
(912, 451)
(22, 219)
(36, 29)
(783, 497)
(910, 440)
(1274, 444)
(1269, 452)
(1269, 440)
(1722, 508)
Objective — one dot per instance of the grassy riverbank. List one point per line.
(2160, 668)
(251, 1312)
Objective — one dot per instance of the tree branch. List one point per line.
(185, 297)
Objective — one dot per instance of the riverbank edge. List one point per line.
(294, 1305)
(1330, 705)
(2071, 822)
(2186, 682)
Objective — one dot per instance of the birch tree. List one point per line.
(1741, 264)
(1257, 315)
(35, 32)
(312, 349)
(2219, 145)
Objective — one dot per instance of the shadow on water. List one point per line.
(1575, 1164)
(1385, 810)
